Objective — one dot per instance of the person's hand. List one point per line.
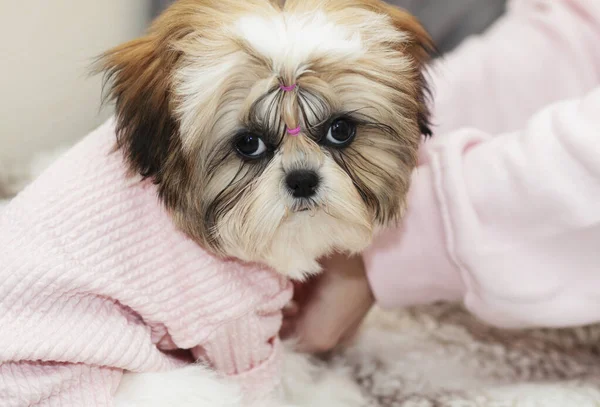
(328, 309)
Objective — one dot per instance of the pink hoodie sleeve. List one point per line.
(510, 224)
(538, 53)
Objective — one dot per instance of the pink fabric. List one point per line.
(95, 280)
(504, 210)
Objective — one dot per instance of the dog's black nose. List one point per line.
(302, 183)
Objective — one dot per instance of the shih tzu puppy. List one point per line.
(267, 133)
(275, 132)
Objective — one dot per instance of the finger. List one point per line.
(315, 344)
(351, 334)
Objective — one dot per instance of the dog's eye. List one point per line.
(250, 146)
(340, 133)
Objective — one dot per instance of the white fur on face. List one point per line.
(295, 39)
(198, 86)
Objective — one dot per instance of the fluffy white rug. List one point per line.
(440, 356)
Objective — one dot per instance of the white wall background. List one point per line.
(46, 46)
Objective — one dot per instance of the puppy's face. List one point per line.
(275, 134)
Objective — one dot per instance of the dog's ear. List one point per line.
(420, 47)
(137, 79)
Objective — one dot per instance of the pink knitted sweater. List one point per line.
(95, 280)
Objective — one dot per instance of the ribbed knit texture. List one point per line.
(95, 279)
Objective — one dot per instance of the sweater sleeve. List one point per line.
(60, 344)
(538, 53)
(509, 223)
(248, 349)
(57, 385)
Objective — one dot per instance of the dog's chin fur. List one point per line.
(290, 241)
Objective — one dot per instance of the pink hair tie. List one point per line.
(287, 88)
(294, 132)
